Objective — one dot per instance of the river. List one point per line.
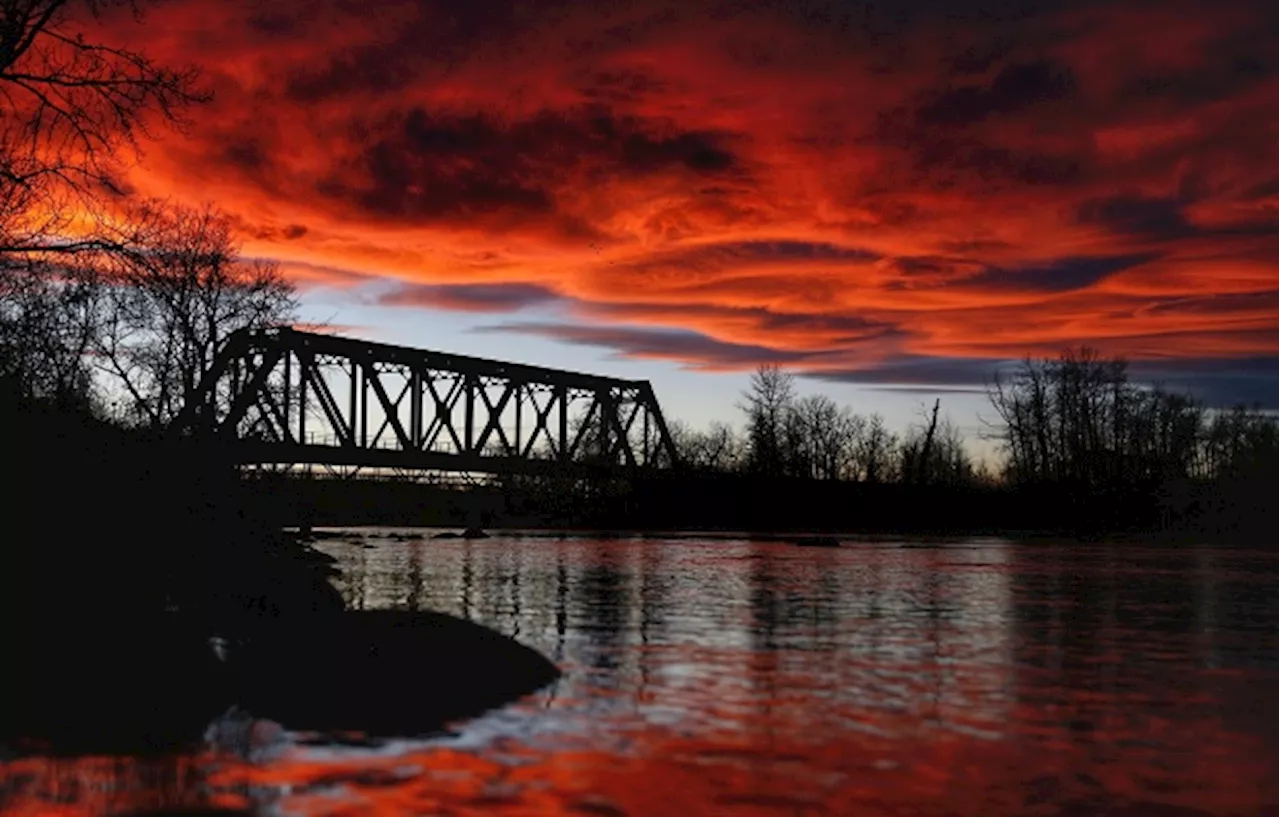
(957, 677)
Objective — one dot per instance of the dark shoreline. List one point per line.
(1042, 537)
(677, 502)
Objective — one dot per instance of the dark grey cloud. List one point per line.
(855, 328)
(938, 154)
(470, 297)
(430, 38)
(918, 370)
(795, 250)
(1267, 188)
(745, 254)
(273, 22)
(877, 23)
(1060, 276)
(1014, 88)
(1216, 382)
(979, 57)
(1147, 217)
(1245, 56)
(421, 164)
(245, 153)
(1162, 219)
(624, 86)
(958, 154)
(1230, 303)
(840, 332)
(693, 348)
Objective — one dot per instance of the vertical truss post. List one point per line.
(288, 389)
(415, 409)
(353, 400)
(605, 397)
(362, 383)
(302, 400)
(468, 430)
(644, 445)
(562, 397)
(518, 445)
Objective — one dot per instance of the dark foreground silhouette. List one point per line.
(157, 682)
(139, 601)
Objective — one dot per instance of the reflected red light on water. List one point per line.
(868, 682)
(664, 773)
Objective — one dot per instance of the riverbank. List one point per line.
(143, 594)
(356, 534)
(728, 503)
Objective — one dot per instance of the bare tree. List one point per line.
(1237, 443)
(1078, 419)
(874, 451)
(72, 110)
(917, 450)
(718, 449)
(935, 454)
(824, 437)
(48, 323)
(768, 401)
(851, 428)
(175, 302)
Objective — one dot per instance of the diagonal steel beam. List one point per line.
(442, 419)
(391, 410)
(541, 416)
(586, 424)
(310, 371)
(386, 420)
(495, 417)
(248, 393)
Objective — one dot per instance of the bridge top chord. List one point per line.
(321, 343)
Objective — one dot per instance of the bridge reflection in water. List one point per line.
(282, 396)
(973, 678)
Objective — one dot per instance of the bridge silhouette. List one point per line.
(285, 397)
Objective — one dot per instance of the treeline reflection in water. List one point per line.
(973, 677)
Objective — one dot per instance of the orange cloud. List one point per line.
(814, 183)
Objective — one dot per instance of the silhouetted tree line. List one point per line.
(813, 438)
(1079, 420)
(1083, 440)
(1083, 449)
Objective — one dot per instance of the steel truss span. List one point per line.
(287, 397)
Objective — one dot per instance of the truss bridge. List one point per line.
(283, 397)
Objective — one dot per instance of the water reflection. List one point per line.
(974, 677)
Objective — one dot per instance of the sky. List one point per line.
(891, 200)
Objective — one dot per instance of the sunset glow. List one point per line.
(898, 194)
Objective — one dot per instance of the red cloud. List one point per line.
(783, 181)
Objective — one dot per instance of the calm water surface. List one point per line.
(971, 677)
